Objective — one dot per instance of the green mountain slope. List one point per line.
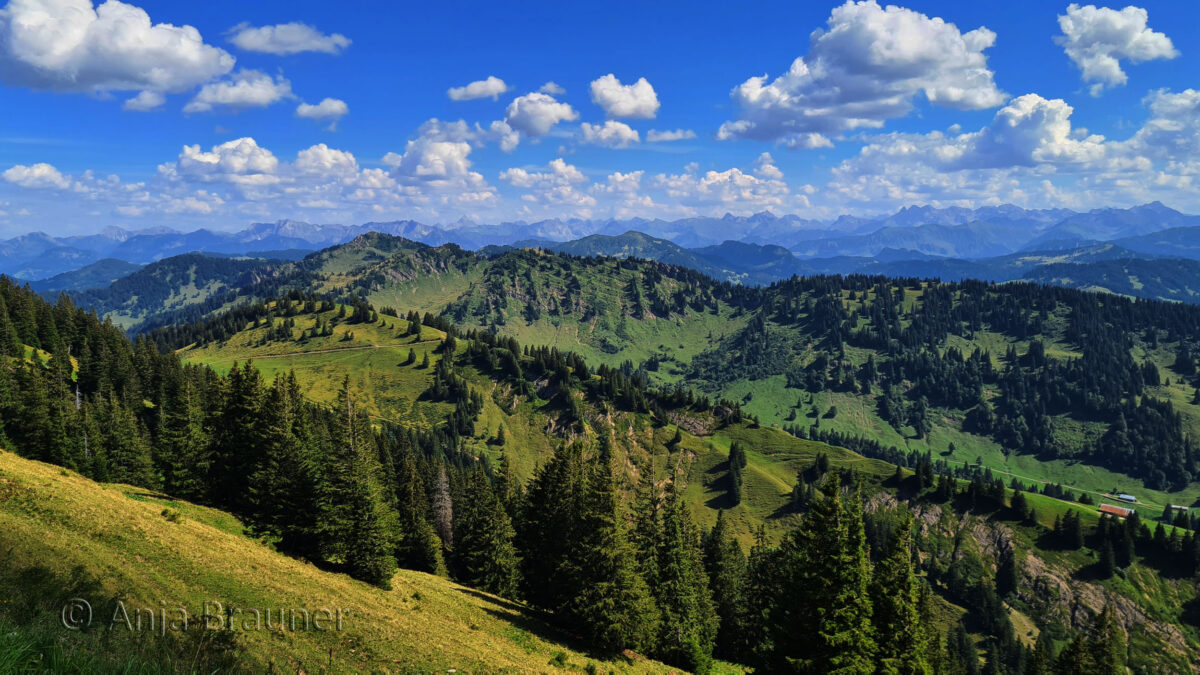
(778, 348)
(170, 284)
(699, 461)
(1013, 576)
(106, 542)
(1170, 279)
(96, 275)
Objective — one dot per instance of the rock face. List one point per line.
(1052, 590)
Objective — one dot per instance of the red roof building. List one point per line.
(1114, 510)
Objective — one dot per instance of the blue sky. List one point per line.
(117, 115)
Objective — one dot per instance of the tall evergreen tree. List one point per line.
(358, 526)
(282, 499)
(689, 621)
(727, 576)
(185, 446)
(825, 567)
(608, 601)
(895, 595)
(484, 554)
(419, 547)
(126, 450)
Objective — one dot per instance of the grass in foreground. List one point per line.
(115, 542)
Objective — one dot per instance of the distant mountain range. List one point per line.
(997, 243)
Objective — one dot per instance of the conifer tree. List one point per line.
(237, 448)
(726, 566)
(1007, 574)
(356, 522)
(1106, 644)
(282, 496)
(184, 446)
(418, 546)
(961, 653)
(607, 600)
(689, 621)
(1041, 661)
(126, 450)
(484, 554)
(895, 596)
(443, 507)
(825, 565)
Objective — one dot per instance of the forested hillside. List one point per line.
(1034, 380)
(630, 521)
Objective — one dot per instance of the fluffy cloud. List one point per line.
(1026, 155)
(245, 89)
(241, 161)
(1097, 38)
(556, 187)
(731, 191)
(656, 136)
(324, 160)
(491, 87)
(636, 100)
(67, 45)
(552, 88)
(332, 109)
(536, 114)
(286, 38)
(864, 69)
(40, 175)
(610, 134)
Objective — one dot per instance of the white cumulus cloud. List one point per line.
(244, 89)
(1097, 38)
(286, 38)
(866, 67)
(492, 87)
(332, 109)
(240, 161)
(536, 114)
(611, 134)
(552, 88)
(39, 175)
(637, 100)
(69, 45)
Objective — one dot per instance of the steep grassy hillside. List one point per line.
(64, 535)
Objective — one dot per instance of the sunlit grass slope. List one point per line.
(69, 527)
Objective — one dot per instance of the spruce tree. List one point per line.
(419, 547)
(895, 596)
(727, 576)
(282, 496)
(358, 526)
(825, 566)
(689, 621)
(607, 600)
(961, 654)
(126, 449)
(184, 446)
(1041, 661)
(1106, 644)
(484, 554)
(443, 506)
